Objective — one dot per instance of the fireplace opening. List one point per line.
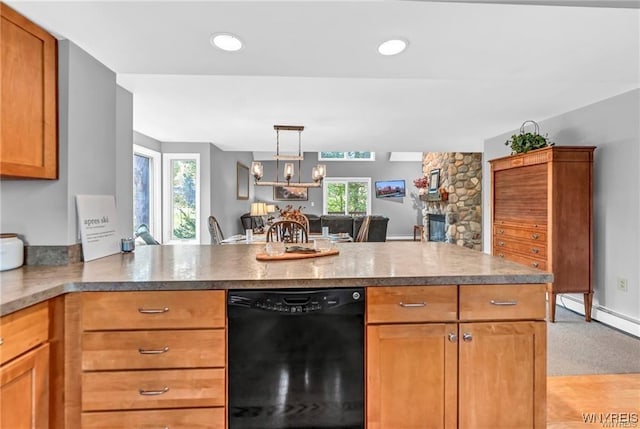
(436, 227)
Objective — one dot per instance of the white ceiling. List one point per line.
(471, 71)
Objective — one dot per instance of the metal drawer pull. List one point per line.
(535, 250)
(153, 310)
(534, 264)
(467, 337)
(414, 304)
(501, 231)
(153, 351)
(154, 392)
(535, 236)
(500, 243)
(501, 255)
(503, 303)
(453, 337)
(1, 341)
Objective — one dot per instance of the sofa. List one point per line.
(350, 225)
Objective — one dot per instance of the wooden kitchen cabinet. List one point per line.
(24, 374)
(543, 216)
(28, 107)
(482, 366)
(153, 358)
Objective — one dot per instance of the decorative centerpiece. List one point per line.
(524, 142)
(422, 183)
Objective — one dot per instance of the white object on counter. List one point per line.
(11, 252)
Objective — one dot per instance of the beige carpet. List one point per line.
(578, 347)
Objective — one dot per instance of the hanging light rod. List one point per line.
(317, 174)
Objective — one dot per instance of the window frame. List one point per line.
(155, 193)
(346, 181)
(167, 194)
(344, 158)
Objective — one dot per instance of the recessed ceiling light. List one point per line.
(226, 42)
(392, 47)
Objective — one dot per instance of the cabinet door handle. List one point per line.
(153, 310)
(535, 250)
(534, 264)
(503, 303)
(412, 304)
(453, 337)
(153, 351)
(467, 337)
(535, 236)
(1, 341)
(162, 391)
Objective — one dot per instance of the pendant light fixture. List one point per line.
(318, 172)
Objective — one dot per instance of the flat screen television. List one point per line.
(390, 189)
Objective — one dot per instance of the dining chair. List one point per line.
(215, 231)
(288, 231)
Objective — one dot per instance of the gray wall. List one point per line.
(44, 212)
(613, 125)
(124, 161)
(403, 213)
(224, 204)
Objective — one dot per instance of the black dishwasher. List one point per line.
(296, 358)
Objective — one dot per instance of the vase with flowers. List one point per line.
(422, 183)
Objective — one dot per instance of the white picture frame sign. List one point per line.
(98, 223)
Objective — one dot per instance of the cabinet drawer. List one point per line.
(130, 390)
(153, 310)
(502, 302)
(23, 330)
(411, 304)
(531, 248)
(529, 261)
(153, 349)
(189, 418)
(535, 233)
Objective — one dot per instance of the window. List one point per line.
(347, 195)
(181, 192)
(346, 156)
(147, 190)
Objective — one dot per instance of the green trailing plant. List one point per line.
(524, 142)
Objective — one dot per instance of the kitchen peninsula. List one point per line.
(493, 375)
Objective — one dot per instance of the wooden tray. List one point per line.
(288, 256)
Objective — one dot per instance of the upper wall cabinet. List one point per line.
(28, 106)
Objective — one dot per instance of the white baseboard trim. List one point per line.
(602, 314)
(399, 238)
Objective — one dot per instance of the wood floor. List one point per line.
(611, 400)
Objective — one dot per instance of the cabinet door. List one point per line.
(411, 376)
(28, 111)
(24, 391)
(502, 375)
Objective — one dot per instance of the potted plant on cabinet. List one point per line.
(524, 142)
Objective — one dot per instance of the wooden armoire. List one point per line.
(542, 216)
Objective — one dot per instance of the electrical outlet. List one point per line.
(623, 284)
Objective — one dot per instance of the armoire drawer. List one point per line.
(153, 310)
(112, 350)
(531, 248)
(502, 302)
(537, 233)
(130, 390)
(529, 261)
(411, 304)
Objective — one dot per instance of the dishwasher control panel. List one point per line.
(296, 301)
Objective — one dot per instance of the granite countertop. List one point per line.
(190, 267)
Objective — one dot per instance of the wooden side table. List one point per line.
(418, 230)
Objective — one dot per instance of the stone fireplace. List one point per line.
(460, 214)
